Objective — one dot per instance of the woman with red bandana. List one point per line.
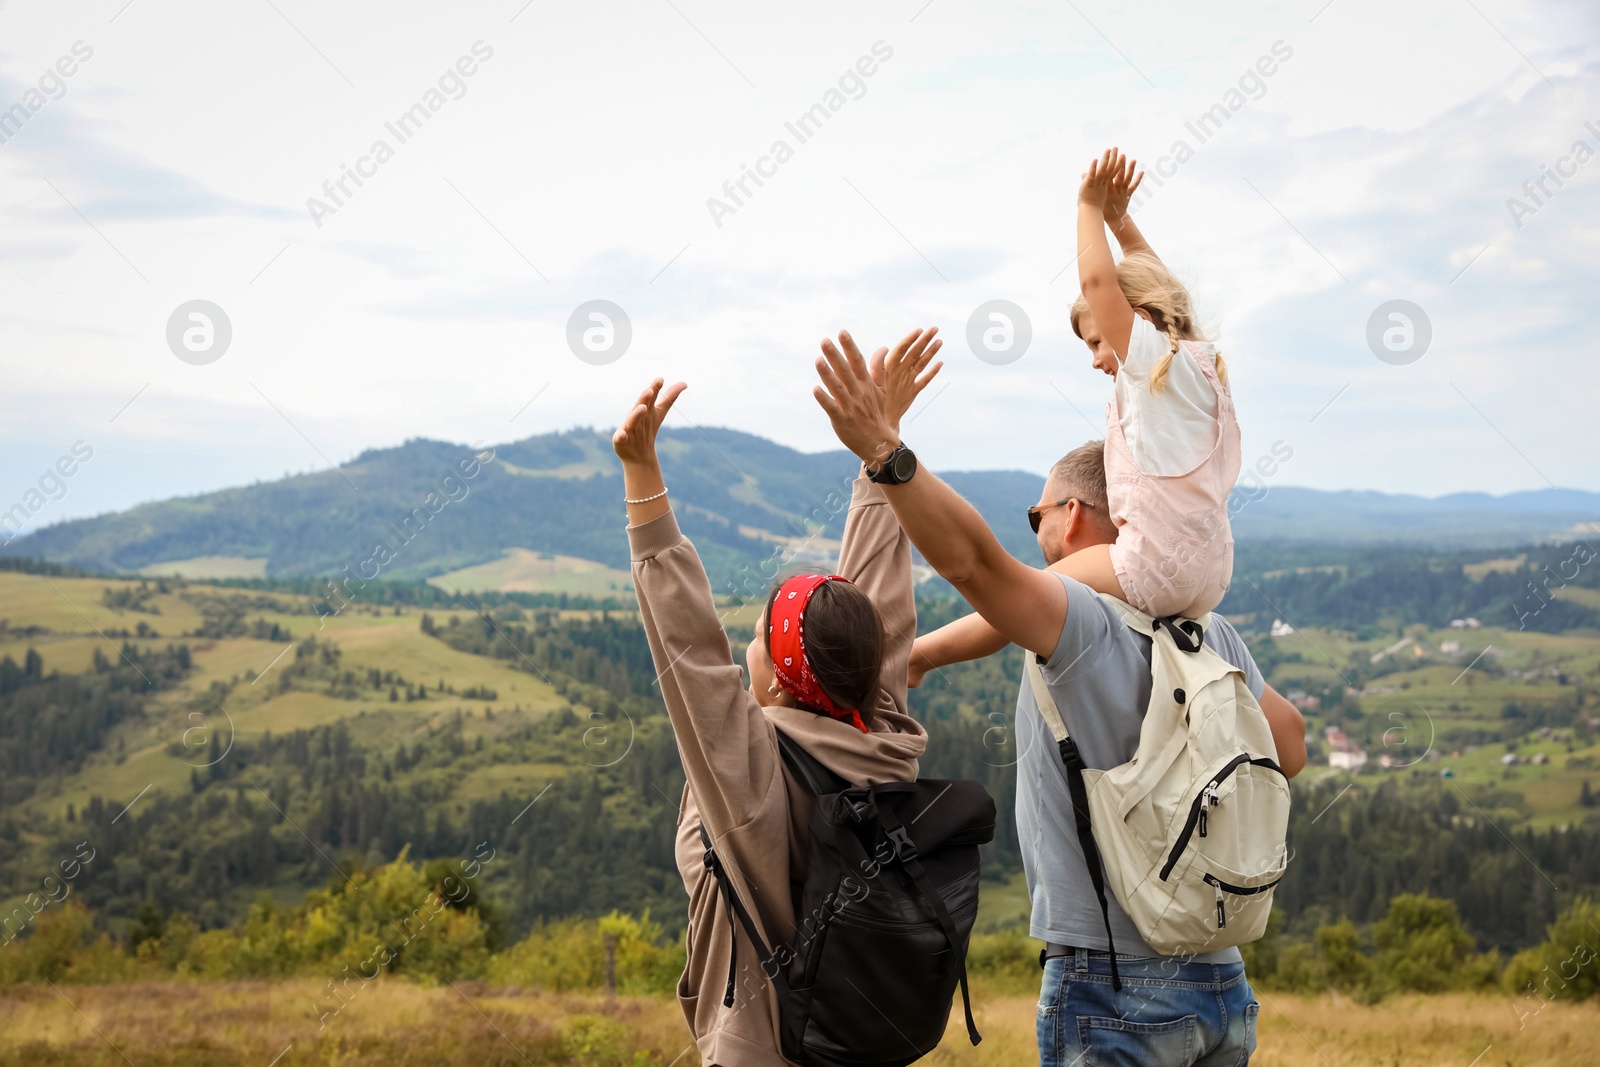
(827, 666)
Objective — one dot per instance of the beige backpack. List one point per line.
(1190, 833)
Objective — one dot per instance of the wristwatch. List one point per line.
(897, 469)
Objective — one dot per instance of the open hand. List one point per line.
(1125, 178)
(856, 405)
(905, 373)
(635, 439)
(1097, 180)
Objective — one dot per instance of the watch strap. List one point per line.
(885, 474)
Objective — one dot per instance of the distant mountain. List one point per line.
(410, 512)
(1460, 520)
(741, 498)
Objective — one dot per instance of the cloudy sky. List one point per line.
(1376, 162)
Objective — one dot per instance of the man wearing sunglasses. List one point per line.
(1036, 513)
(1191, 1010)
(1071, 515)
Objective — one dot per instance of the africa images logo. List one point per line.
(404, 127)
(804, 127)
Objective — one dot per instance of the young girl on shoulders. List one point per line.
(1172, 441)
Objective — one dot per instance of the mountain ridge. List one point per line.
(740, 495)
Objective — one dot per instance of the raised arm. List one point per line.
(1125, 180)
(875, 553)
(876, 556)
(728, 756)
(1025, 605)
(1097, 271)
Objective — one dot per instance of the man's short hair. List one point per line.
(1081, 473)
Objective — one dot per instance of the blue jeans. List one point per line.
(1168, 1014)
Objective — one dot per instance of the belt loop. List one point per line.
(1082, 959)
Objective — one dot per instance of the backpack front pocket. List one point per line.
(1243, 902)
(1221, 815)
(1214, 906)
(874, 968)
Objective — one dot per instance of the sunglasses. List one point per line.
(1036, 513)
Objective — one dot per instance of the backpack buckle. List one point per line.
(1187, 634)
(856, 806)
(904, 847)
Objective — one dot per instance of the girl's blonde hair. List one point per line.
(1149, 286)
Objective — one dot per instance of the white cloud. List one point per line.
(586, 148)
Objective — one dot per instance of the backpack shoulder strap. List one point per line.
(818, 778)
(1137, 620)
(1187, 634)
(770, 965)
(1079, 791)
(1042, 698)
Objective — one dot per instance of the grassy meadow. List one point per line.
(1423, 714)
(399, 1025)
(66, 621)
(522, 570)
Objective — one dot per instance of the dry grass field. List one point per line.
(1447, 1030)
(391, 1023)
(400, 1025)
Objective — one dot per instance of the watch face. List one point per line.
(905, 465)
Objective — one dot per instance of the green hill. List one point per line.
(215, 742)
(740, 497)
(743, 499)
(218, 740)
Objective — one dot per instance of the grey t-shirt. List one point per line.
(1099, 676)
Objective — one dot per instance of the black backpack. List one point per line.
(882, 922)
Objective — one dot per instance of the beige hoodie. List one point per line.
(757, 817)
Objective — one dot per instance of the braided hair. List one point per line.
(1150, 287)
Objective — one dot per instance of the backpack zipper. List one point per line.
(1197, 809)
(845, 917)
(1209, 792)
(1239, 891)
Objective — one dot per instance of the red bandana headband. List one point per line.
(786, 639)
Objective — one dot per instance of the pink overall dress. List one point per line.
(1174, 552)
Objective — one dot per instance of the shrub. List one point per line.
(596, 1041)
(1344, 966)
(570, 955)
(1564, 967)
(1423, 948)
(395, 918)
(45, 953)
(1419, 946)
(1262, 956)
(1299, 970)
(1010, 957)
